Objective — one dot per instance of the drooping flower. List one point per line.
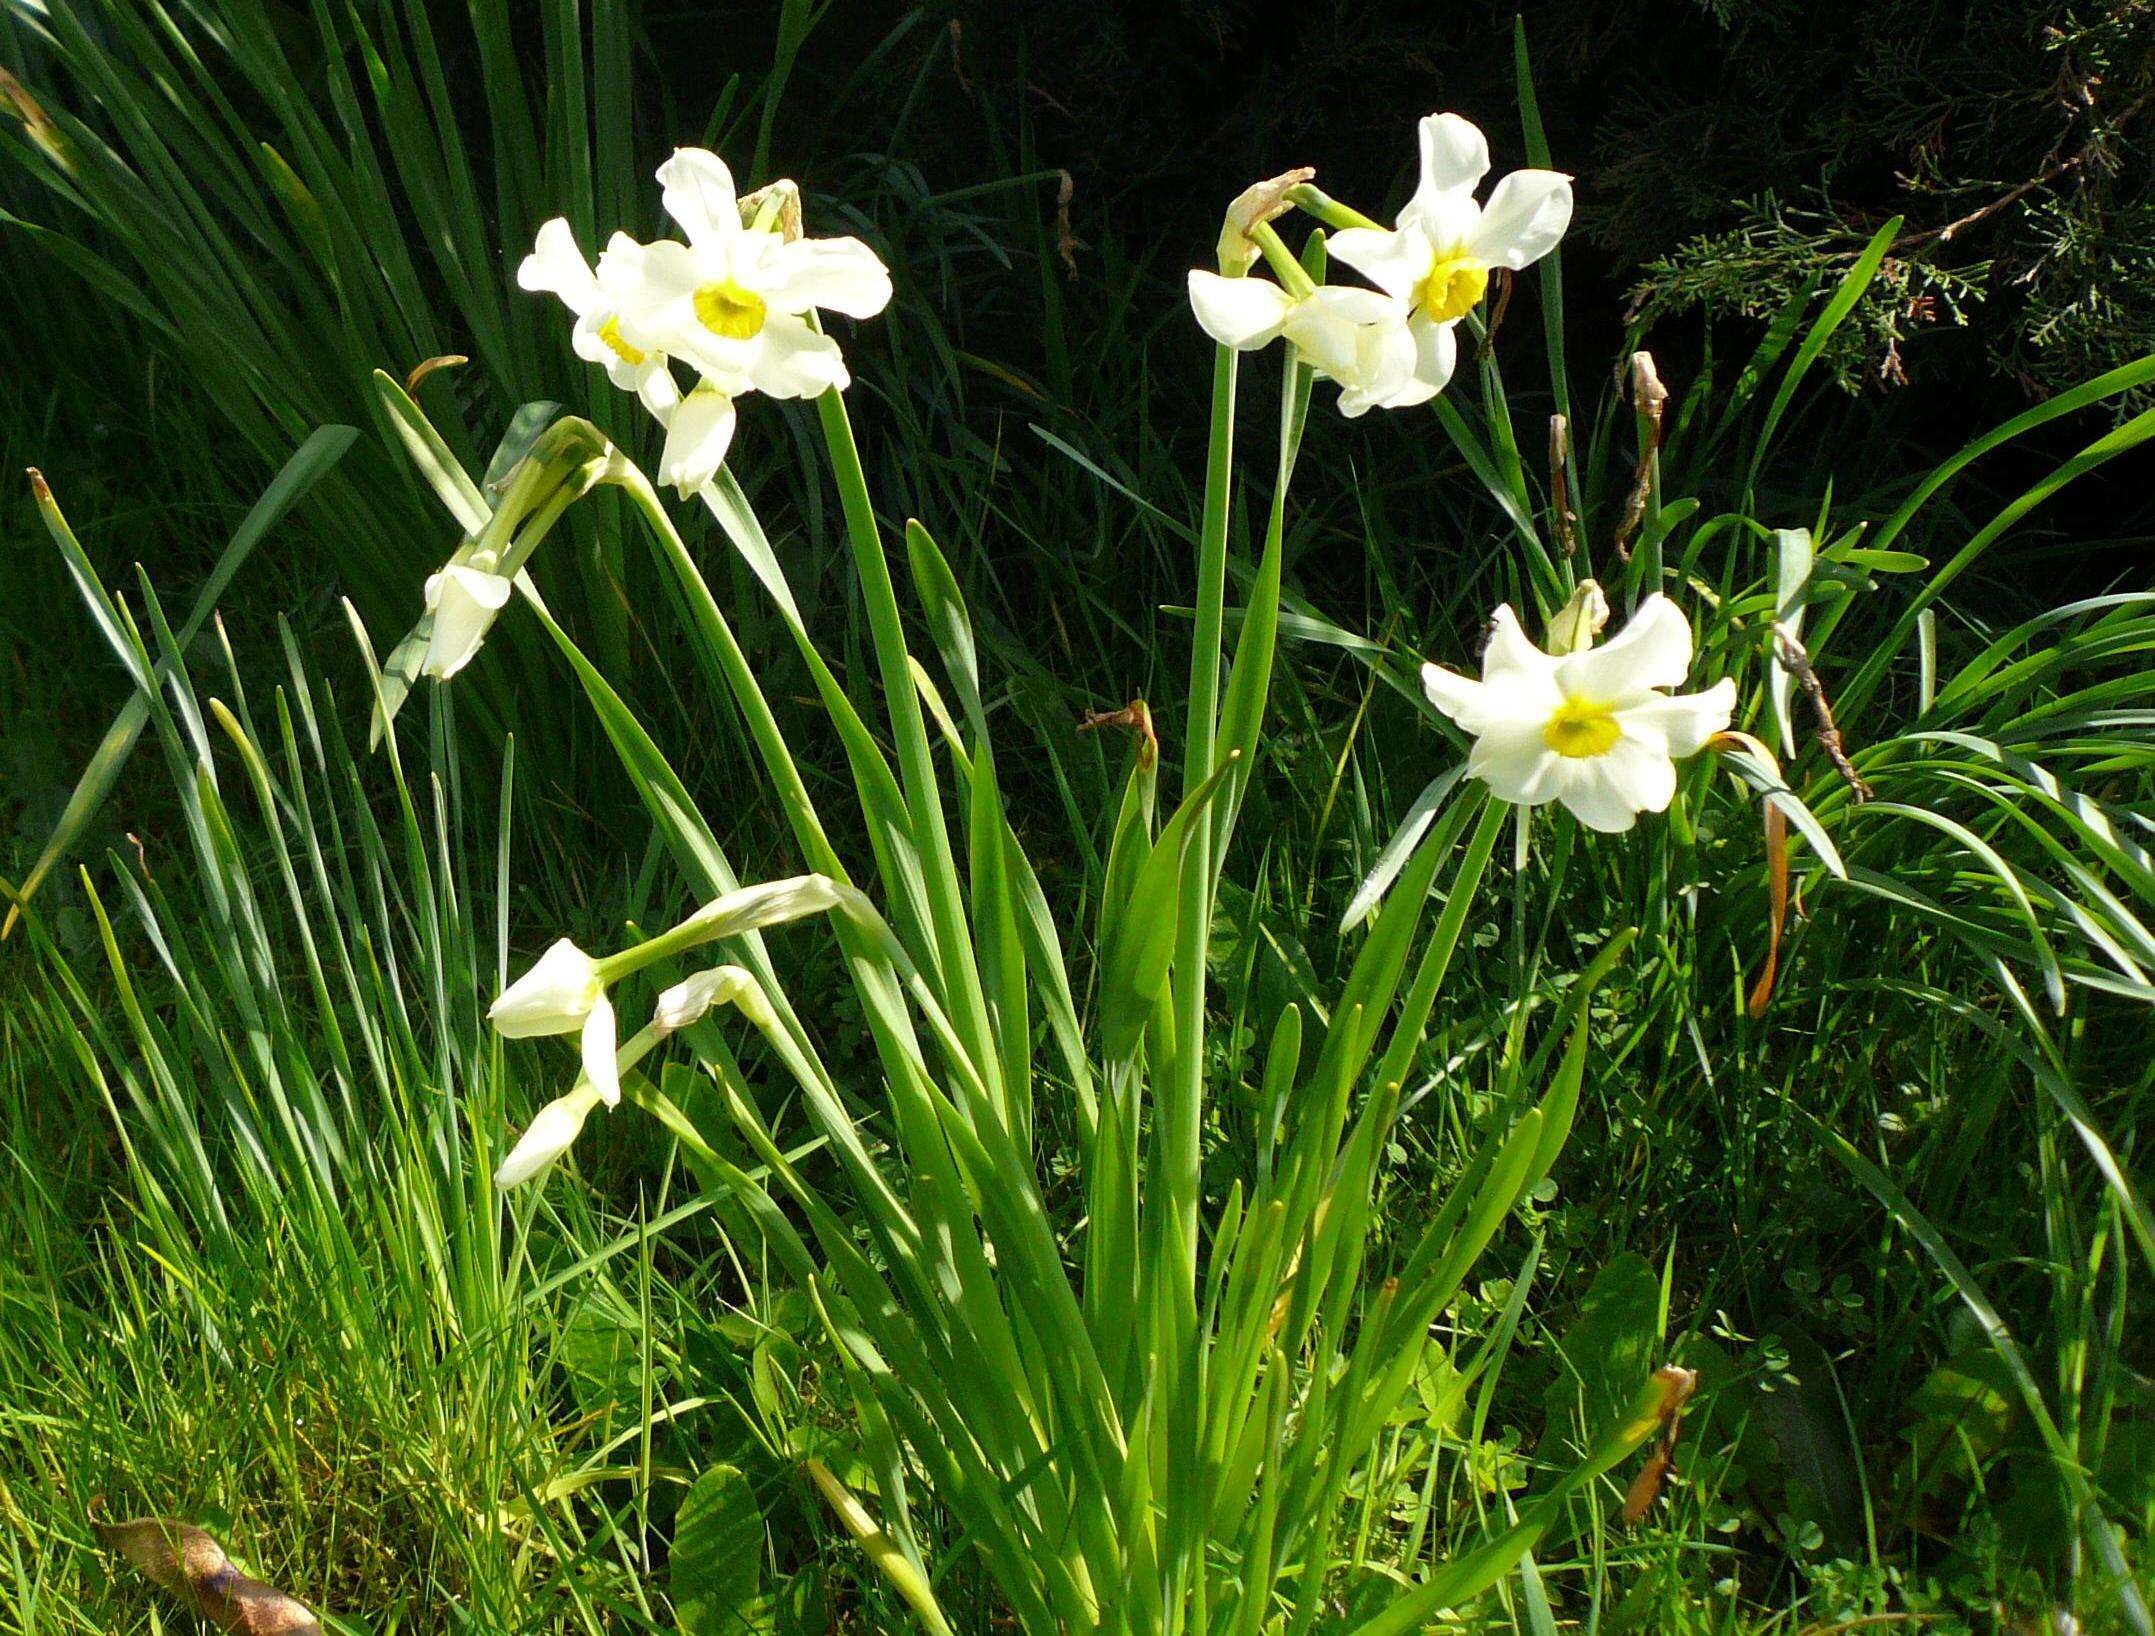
(1592, 728)
(553, 1129)
(1355, 337)
(699, 431)
(1438, 262)
(564, 993)
(735, 302)
(464, 599)
(685, 1004)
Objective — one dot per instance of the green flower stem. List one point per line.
(1293, 277)
(1183, 1098)
(1313, 199)
(740, 675)
(931, 833)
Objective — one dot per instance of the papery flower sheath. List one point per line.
(1591, 728)
(1438, 261)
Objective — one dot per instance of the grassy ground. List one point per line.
(254, 1275)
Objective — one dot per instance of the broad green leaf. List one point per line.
(714, 1571)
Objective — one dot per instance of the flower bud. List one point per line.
(1580, 620)
(786, 212)
(767, 903)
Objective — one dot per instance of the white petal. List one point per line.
(464, 603)
(1382, 375)
(1522, 219)
(838, 275)
(699, 431)
(1456, 695)
(551, 1131)
(697, 190)
(1436, 355)
(1511, 658)
(1516, 763)
(598, 1046)
(1328, 327)
(1594, 800)
(1241, 313)
(556, 266)
(1455, 157)
(1518, 685)
(794, 361)
(1421, 370)
(553, 997)
(1637, 773)
(1680, 724)
(1395, 262)
(1652, 650)
(651, 289)
(660, 392)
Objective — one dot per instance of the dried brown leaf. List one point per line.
(188, 1564)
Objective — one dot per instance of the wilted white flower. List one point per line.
(1438, 262)
(686, 1003)
(564, 993)
(1589, 728)
(549, 1135)
(735, 301)
(1356, 337)
(1255, 205)
(465, 599)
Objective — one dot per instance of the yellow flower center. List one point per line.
(610, 333)
(1451, 287)
(1581, 728)
(727, 309)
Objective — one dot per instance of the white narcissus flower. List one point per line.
(465, 599)
(1355, 337)
(1439, 260)
(1591, 728)
(735, 301)
(549, 1135)
(564, 993)
(558, 267)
